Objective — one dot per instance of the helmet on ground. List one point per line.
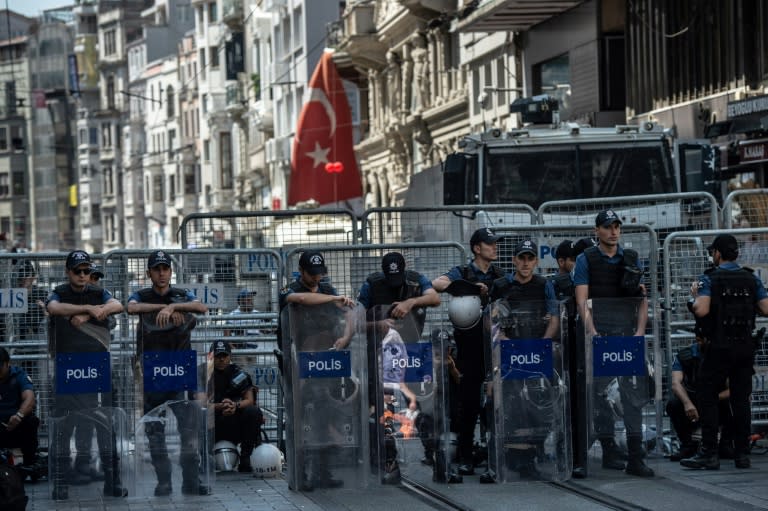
(226, 456)
(464, 311)
(267, 461)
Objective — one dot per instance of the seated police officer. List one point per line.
(238, 419)
(683, 408)
(17, 407)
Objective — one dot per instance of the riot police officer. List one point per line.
(531, 301)
(79, 313)
(409, 293)
(726, 297)
(165, 325)
(469, 342)
(318, 329)
(610, 272)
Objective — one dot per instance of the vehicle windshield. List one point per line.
(533, 175)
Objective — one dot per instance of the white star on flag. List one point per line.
(319, 155)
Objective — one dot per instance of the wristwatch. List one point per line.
(20, 415)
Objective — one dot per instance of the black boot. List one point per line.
(163, 470)
(611, 454)
(245, 458)
(706, 458)
(112, 485)
(687, 450)
(636, 465)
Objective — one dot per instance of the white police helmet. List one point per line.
(267, 461)
(226, 456)
(464, 311)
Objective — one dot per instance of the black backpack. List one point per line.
(12, 493)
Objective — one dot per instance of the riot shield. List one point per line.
(619, 386)
(87, 433)
(408, 420)
(174, 430)
(326, 396)
(531, 437)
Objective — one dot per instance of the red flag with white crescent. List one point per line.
(324, 136)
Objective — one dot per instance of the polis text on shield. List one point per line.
(176, 370)
(84, 373)
(409, 363)
(526, 359)
(618, 356)
(325, 365)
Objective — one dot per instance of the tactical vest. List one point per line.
(690, 366)
(605, 278)
(618, 316)
(528, 305)
(383, 294)
(732, 310)
(66, 338)
(172, 337)
(563, 284)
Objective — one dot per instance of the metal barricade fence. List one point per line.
(424, 224)
(665, 213)
(685, 259)
(24, 325)
(271, 229)
(215, 276)
(639, 237)
(746, 209)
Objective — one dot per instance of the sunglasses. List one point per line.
(82, 271)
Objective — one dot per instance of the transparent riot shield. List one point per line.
(87, 433)
(408, 422)
(619, 386)
(326, 396)
(531, 437)
(174, 427)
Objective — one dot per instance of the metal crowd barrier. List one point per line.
(746, 209)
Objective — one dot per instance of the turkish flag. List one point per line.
(323, 135)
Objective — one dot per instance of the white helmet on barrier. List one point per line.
(267, 461)
(464, 311)
(226, 456)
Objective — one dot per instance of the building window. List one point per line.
(225, 161)
(110, 42)
(19, 189)
(157, 189)
(17, 138)
(214, 57)
(5, 186)
(206, 150)
(82, 135)
(171, 188)
(95, 214)
(553, 77)
(171, 142)
(3, 139)
(93, 136)
(212, 12)
(189, 180)
(111, 91)
(170, 102)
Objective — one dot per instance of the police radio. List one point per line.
(240, 382)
